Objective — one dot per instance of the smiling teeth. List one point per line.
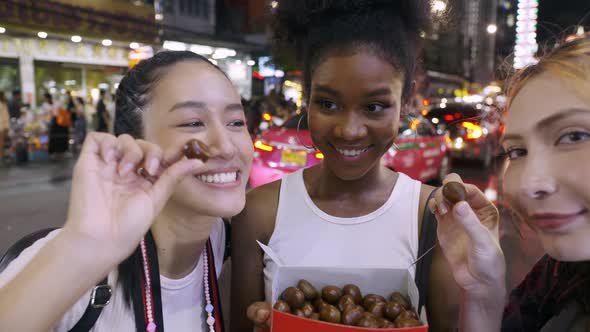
(219, 177)
(351, 153)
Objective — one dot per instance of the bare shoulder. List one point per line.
(260, 212)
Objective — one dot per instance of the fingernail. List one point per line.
(462, 209)
(442, 208)
(153, 166)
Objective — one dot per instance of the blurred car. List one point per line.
(421, 153)
(474, 129)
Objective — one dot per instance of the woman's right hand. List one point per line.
(260, 313)
(111, 206)
(469, 239)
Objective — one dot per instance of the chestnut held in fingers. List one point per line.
(372, 298)
(331, 294)
(353, 291)
(195, 149)
(454, 192)
(330, 314)
(294, 297)
(308, 290)
(351, 316)
(282, 306)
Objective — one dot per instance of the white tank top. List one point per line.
(304, 235)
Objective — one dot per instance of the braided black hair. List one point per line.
(309, 29)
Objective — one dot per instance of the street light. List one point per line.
(76, 39)
(274, 4)
(492, 28)
(438, 6)
(133, 45)
(2, 30)
(42, 34)
(107, 42)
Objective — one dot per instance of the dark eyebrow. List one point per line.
(548, 121)
(378, 92)
(325, 89)
(188, 104)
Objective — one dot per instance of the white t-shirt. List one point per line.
(182, 299)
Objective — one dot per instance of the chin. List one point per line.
(566, 249)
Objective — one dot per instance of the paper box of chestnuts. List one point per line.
(339, 299)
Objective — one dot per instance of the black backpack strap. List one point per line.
(227, 250)
(17, 248)
(426, 241)
(99, 297)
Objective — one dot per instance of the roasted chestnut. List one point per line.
(368, 321)
(299, 313)
(282, 306)
(308, 290)
(330, 314)
(345, 301)
(331, 294)
(384, 323)
(351, 316)
(454, 192)
(399, 323)
(407, 314)
(315, 316)
(370, 299)
(401, 299)
(377, 309)
(319, 304)
(294, 297)
(307, 309)
(393, 309)
(353, 291)
(195, 149)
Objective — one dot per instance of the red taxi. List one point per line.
(420, 152)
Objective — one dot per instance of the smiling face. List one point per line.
(547, 140)
(194, 100)
(354, 111)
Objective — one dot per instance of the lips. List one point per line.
(555, 221)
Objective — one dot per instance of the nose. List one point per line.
(538, 181)
(220, 142)
(350, 126)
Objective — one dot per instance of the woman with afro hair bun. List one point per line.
(359, 58)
